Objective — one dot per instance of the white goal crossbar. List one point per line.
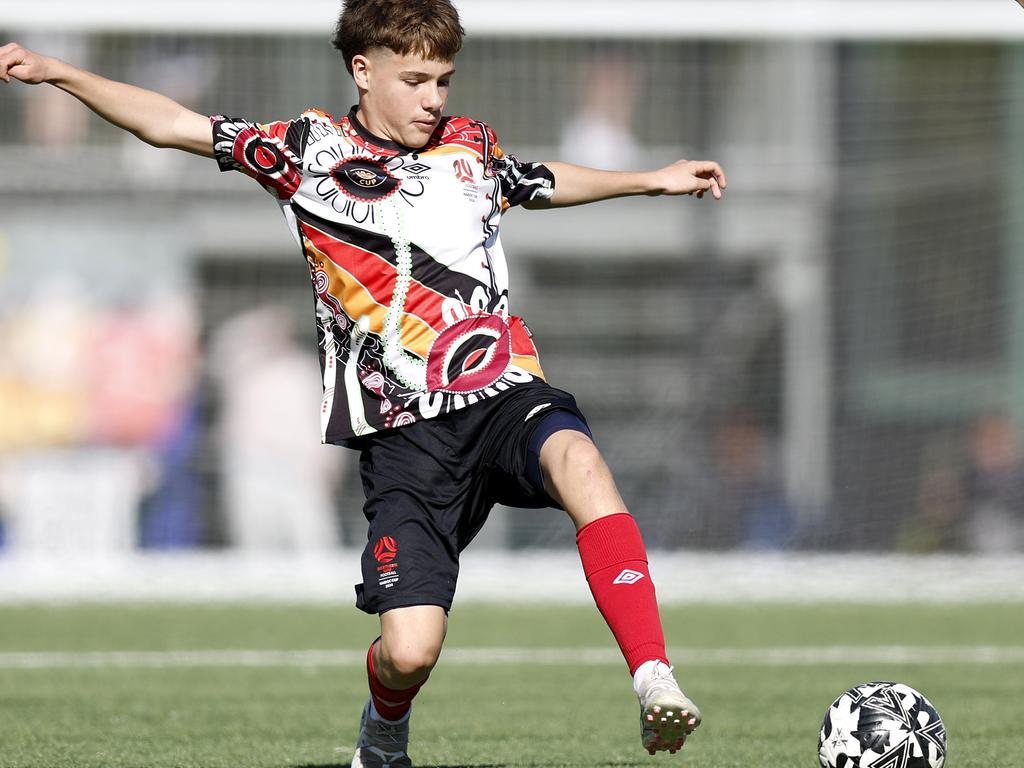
(992, 20)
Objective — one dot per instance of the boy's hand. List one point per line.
(577, 185)
(688, 177)
(23, 65)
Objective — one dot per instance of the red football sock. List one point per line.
(615, 564)
(389, 703)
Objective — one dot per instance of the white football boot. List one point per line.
(382, 743)
(667, 716)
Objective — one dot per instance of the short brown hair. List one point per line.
(429, 28)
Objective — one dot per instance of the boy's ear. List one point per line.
(361, 71)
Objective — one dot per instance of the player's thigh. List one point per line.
(577, 477)
(416, 495)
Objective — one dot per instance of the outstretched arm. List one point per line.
(576, 185)
(154, 118)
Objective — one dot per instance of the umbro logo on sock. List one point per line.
(628, 576)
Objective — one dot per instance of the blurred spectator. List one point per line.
(43, 359)
(600, 131)
(93, 394)
(751, 510)
(171, 515)
(179, 68)
(278, 480)
(936, 524)
(994, 486)
(158, 344)
(53, 119)
(143, 368)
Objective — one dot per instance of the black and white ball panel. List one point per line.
(882, 725)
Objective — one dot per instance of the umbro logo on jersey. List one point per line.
(628, 576)
(416, 168)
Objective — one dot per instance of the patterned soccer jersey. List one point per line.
(409, 277)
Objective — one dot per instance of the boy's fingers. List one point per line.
(712, 168)
(718, 174)
(6, 65)
(13, 57)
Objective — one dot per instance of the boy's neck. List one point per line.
(365, 119)
(365, 124)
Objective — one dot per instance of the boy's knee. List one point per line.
(410, 644)
(409, 660)
(571, 451)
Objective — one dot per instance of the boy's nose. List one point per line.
(432, 100)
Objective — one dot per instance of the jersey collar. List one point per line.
(371, 141)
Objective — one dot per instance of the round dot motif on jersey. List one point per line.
(362, 178)
(264, 156)
(469, 355)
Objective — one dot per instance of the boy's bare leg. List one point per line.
(615, 565)
(397, 664)
(576, 476)
(410, 644)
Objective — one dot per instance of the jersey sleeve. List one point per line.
(520, 181)
(271, 153)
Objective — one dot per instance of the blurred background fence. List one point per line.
(831, 358)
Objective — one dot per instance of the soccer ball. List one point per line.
(882, 725)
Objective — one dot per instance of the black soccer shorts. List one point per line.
(429, 487)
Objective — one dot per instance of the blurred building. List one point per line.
(857, 292)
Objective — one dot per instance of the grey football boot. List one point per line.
(382, 743)
(667, 716)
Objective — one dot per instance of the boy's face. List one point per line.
(401, 98)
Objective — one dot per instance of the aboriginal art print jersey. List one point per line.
(408, 272)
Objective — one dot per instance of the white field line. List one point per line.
(523, 577)
(785, 656)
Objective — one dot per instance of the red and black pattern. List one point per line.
(261, 152)
(399, 342)
(426, 271)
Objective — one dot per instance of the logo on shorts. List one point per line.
(385, 550)
(628, 577)
(536, 410)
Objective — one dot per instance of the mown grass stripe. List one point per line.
(782, 656)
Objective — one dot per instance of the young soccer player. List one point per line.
(426, 372)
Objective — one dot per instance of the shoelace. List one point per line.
(389, 730)
(661, 675)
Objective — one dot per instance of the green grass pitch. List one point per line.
(758, 712)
